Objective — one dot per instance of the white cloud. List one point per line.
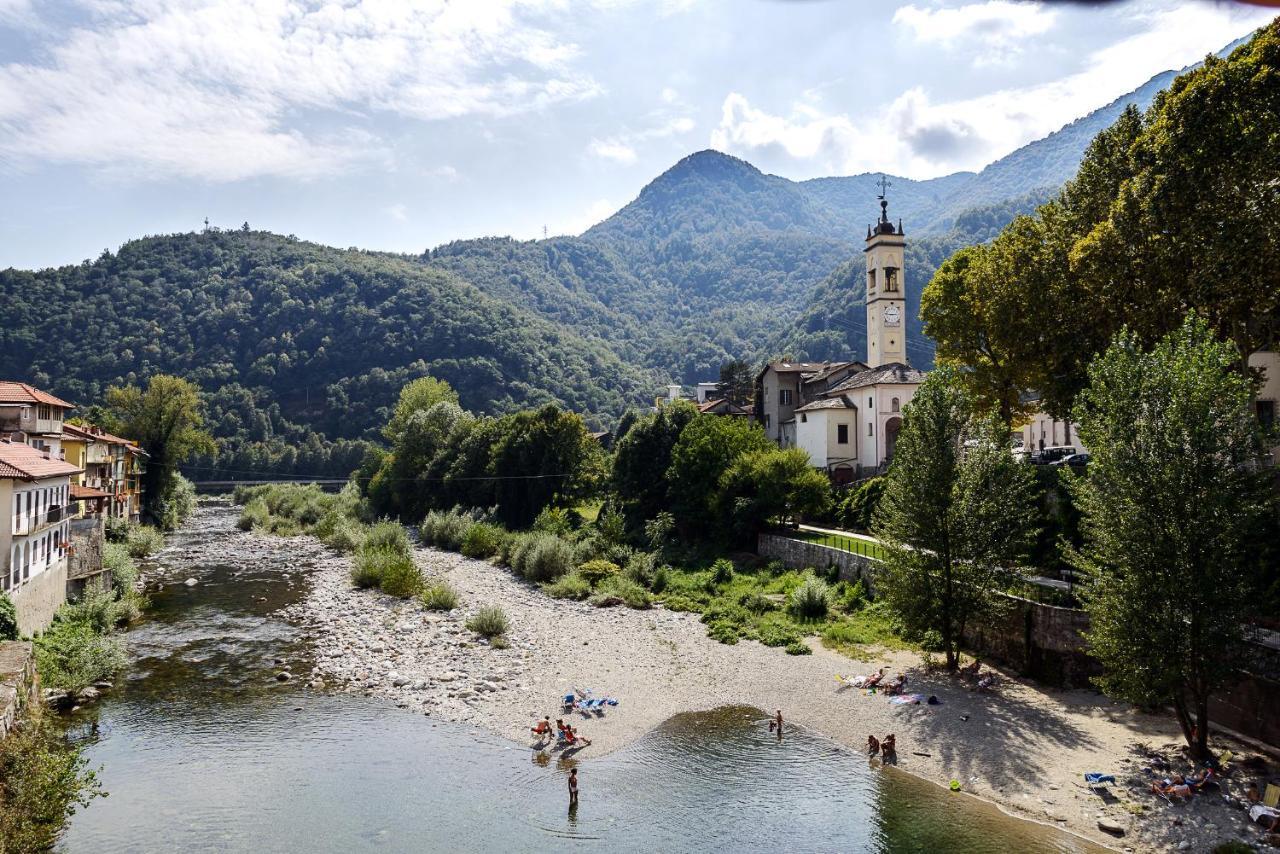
(399, 212)
(230, 90)
(598, 210)
(998, 29)
(622, 147)
(15, 11)
(612, 149)
(917, 136)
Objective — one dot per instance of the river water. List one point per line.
(201, 750)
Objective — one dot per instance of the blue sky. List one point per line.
(402, 124)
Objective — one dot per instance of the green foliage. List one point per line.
(1173, 495)
(401, 578)
(254, 515)
(143, 541)
(124, 582)
(641, 460)
(439, 596)
(553, 520)
(798, 648)
(482, 540)
(859, 506)
(570, 586)
(374, 567)
(811, 600)
(417, 396)
(617, 590)
(542, 557)
(737, 383)
(957, 514)
(116, 530)
(849, 597)
(640, 568)
(721, 571)
(44, 779)
(346, 535)
(661, 578)
(872, 626)
(387, 535)
(73, 653)
(762, 485)
(489, 622)
(8, 618)
(595, 571)
(706, 449)
(777, 634)
(446, 529)
(167, 420)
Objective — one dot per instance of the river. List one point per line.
(201, 749)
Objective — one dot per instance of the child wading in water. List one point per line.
(776, 724)
(573, 787)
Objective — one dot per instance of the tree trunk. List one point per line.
(1200, 749)
(1184, 718)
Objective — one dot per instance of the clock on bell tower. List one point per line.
(886, 301)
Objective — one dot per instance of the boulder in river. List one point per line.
(284, 676)
(191, 582)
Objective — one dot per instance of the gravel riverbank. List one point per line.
(1024, 747)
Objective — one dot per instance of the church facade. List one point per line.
(850, 427)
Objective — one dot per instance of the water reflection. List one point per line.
(203, 750)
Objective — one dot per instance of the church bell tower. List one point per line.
(886, 301)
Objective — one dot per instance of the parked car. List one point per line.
(1021, 456)
(1075, 461)
(1052, 455)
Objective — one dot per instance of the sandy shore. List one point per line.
(1024, 747)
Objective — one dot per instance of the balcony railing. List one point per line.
(30, 523)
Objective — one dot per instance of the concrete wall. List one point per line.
(38, 599)
(17, 682)
(797, 554)
(1044, 642)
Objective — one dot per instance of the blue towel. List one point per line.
(1093, 778)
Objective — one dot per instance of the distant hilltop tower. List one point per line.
(886, 302)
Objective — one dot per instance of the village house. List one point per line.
(112, 468)
(32, 416)
(35, 490)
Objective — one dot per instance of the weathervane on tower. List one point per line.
(885, 184)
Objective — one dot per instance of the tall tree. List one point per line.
(167, 420)
(956, 516)
(761, 485)
(1173, 492)
(543, 457)
(707, 447)
(417, 396)
(641, 459)
(736, 382)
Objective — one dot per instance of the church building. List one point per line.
(851, 428)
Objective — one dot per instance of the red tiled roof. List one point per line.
(89, 431)
(26, 463)
(15, 392)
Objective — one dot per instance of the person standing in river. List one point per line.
(573, 787)
(776, 724)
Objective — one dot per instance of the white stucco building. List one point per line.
(32, 416)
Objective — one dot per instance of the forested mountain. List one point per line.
(298, 344)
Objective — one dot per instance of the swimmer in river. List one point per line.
(873, 745)
(573, 787)
(776, 724)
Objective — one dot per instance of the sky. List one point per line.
(404, 124)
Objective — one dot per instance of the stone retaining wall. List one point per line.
(800, 554)
(38, 599)
(17, 682)
(84, 565)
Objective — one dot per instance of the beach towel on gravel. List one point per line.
(909, 699)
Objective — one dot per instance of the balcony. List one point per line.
(33, 523)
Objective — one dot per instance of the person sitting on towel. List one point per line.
(874, 679)
(543, 727)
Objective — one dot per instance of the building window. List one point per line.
(1267, 413)
(893, 407)
(768, 421)
(871, 280)
(890, 279)
(871, 428)
(842, 434)
(785, 396)
(871, 403)
(804, 419)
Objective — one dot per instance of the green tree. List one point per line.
(417, 396)
(167, 420)
(956, 515)
(737, 382)
(543, 458)
(707, 447)
(761, 485)
(641, 459)
(1173, 492)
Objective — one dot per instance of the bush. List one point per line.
(722, 572)
(388, 535)
(71, 655)
(681, 603)
(488, 622)
(756, 602)
(616, 590)
(725, 631)
(346, 536)
(661, 578)
(640, 568)
(571, 586)
(446, 530)
(798, 648)
(440, 597)
(777, 634)
(542, 557)
(143, 540)
(595, 571)
(482, 540)
(371, 565)
(8, 618)
(849, 597)
(254, 515)
(811, 600)
(116, 530)
(400, 577)
(44, 779)
(553, 520)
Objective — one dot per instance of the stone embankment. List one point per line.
(17, 681)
